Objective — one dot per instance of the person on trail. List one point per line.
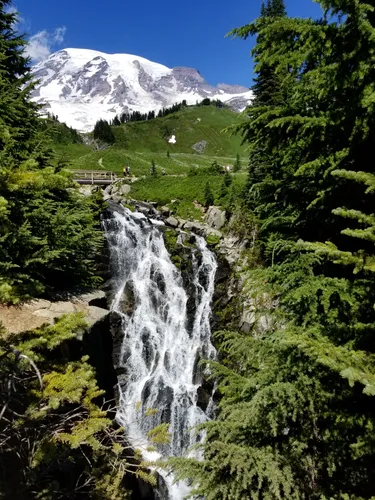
(128, 170)
(125, 170)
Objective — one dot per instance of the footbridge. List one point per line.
(100, 177)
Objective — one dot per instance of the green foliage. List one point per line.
(213, 239)
(208, 196)
(60, 133)
(296, 413)
(48, 233)
(103, 132)
(237, 164)
(56, 440)
(153, 170)
(182, 189)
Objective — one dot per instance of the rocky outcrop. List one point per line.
(35, 313)
(215, 217)
(200, 146)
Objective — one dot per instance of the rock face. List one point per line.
(37, 312)
(215, 217)
(81, 86)
(200, 147)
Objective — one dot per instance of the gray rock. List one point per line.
(125, 189)
(172, 221)
(106, 196)
(215, 217)
(37, 304)
(90, 297)
(165, 211)
(86, 190)
(95, 314)
(144, 210)
(117, 198)
(108, 189)
(199, 146)
(196, 227)
(62, 307)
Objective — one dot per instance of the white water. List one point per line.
(164, 335)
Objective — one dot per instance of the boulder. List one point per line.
(117, 198)
(215, 217)
(86, 190)
(124, 189)
(95, 314)
(35, 313)
(106, 196)
(171, 221)
(108, 189)
(196, 227)
(143, 210)
(199, 146)
(165, 211)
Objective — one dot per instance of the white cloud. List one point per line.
(60, 34)
(42, 43)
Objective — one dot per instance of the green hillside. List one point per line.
(190, 126)
(138, 143)
(186, 171)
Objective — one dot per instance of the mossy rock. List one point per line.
(170, 240)
(213, 239)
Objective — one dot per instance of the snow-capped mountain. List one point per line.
(81, 86)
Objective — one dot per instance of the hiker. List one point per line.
(128, 170)
(125, 170)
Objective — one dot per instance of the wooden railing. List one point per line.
(94, 176)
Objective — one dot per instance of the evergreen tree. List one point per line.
(48, 232)
(227, 179)
(296, 407)
(208, 196)
(268, 91)
(223, 190)
(237, 164)
(116, 121)
(103, 132)
(153, 170)
(57, 440)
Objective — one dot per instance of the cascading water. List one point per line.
(166, 333)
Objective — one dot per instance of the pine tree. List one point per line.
(103, 132)
(208, 196)
(57, 440)
(153, 170)
(227, 179)
(223, 190)
(48, 232)
(237, 164)
(296, 405)
(116, 121)
(268, 91)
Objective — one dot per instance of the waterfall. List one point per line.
(166, 332)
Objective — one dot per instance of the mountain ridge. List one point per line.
(83, 85)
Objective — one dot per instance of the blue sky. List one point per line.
(171, 32)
